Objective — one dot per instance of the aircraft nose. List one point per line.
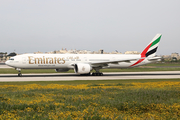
(7, 62)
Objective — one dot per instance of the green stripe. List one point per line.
(156, 41)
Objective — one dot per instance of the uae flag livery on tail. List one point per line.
(150, 50)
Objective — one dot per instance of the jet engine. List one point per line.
(62, 70)
(81, 68)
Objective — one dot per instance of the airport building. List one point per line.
(4, 56)
(132, 52)
(65, 51)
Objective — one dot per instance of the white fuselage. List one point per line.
(65, 61)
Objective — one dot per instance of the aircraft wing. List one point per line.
(105, 63)
(113, 62)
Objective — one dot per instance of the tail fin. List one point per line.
(150, 50)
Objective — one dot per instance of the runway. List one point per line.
(106, 76)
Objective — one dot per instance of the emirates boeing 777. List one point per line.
(85, 63)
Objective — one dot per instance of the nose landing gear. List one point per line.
(19, 75)
(19, 70)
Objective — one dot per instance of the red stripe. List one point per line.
(137, 62)
(143, 54)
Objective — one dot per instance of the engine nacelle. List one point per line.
(81, 68)
(62, 70)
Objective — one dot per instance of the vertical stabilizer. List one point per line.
(150, 50)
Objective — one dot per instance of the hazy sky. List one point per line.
(123, 25)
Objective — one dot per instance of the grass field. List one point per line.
(91, 100)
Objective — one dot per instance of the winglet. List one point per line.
(150, 50)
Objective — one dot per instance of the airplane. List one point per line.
(83, 64)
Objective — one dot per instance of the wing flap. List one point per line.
(115, 61)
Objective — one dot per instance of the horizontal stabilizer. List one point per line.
(154, 58)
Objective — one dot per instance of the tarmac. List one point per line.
(106, 76)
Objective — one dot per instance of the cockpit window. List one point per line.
(11, 59)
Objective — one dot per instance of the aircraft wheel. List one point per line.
(19, 74)
(100, 74)
(97, 74)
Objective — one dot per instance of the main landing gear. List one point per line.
(97, 73)
(19, 70)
